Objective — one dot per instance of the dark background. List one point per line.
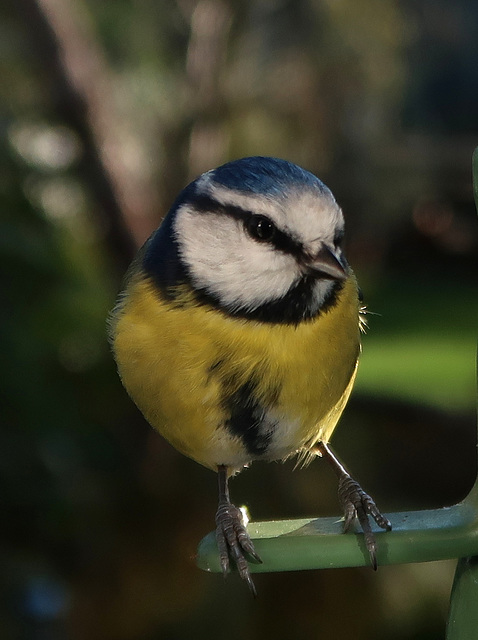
(107, 109)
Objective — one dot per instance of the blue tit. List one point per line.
(238, 331)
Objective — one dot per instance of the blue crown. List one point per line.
(265, 176)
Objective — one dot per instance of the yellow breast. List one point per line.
(182, 363)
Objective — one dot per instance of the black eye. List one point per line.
(260, 228)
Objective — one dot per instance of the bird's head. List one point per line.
(258, 237)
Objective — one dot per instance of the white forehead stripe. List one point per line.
(306, 215)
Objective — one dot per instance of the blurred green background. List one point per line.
(107, 109)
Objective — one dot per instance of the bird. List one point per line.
(237, 333)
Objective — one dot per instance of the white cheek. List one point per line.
(225, 261)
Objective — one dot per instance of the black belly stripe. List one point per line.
(246, 420)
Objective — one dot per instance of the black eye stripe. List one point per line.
(280, 240)
(283, 242)
(206, 204)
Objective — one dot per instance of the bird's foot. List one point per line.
(234, 542)
(358, 504)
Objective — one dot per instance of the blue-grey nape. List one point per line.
(263, 175)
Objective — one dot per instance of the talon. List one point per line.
(358, 504)
(232, 538)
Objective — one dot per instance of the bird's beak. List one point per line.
(326, 264)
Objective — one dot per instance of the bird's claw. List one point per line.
(358, 504)
(234, 542)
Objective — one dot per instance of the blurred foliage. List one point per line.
(107, 109)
